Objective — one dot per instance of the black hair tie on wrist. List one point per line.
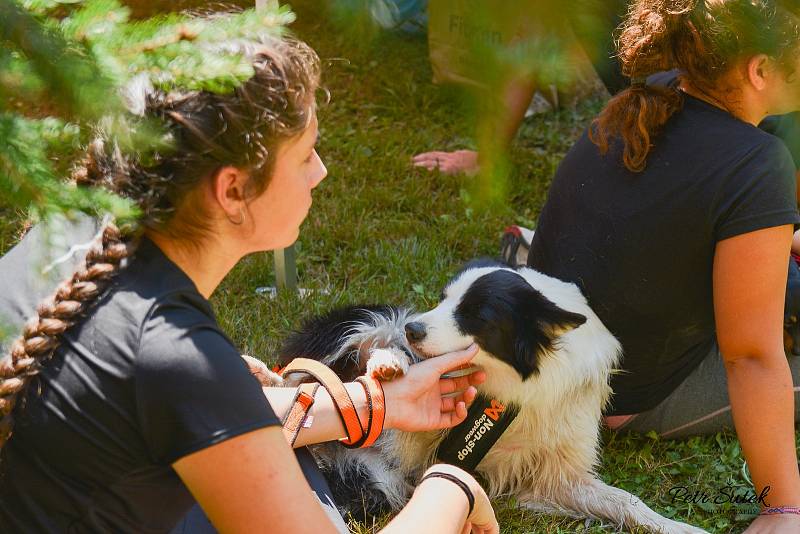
(458, 482)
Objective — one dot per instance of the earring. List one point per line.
(241, 219)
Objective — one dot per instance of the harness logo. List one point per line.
(483, 425)
(495, 410)
(467, 444)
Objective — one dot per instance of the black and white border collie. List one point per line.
(543, 350)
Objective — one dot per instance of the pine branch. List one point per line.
(56, 63)
(28, 177)
(75, 57)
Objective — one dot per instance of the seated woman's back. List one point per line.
(641, 244)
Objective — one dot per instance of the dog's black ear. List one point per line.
(539, 324)
(511, 320)
(557, 321)
(480, 263)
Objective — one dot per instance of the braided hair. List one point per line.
(208, 131)
(704, 39)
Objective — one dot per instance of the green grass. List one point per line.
(381, 231)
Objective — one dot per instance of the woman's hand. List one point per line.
(458, 162)
(774, 524)
(482, 519)
(414, 402)
(440, 506)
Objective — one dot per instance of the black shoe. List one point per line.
(515, 245)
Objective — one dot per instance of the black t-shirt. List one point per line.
(145, 379)
(641, 245)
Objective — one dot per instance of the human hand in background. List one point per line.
(265, 376)
(457, 162)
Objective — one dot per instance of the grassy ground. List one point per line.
(381, 231)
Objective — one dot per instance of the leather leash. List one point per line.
(358, 434)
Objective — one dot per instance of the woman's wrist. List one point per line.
(436, 506)
(371, 427)
(447, 494)
(463, 486)
(462, 475)
(389, 405)
(779, 510)
(360, 400)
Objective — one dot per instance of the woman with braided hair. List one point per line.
(123, 402)
(675, 213)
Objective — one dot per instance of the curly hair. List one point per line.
(208, 132)
(704, 39)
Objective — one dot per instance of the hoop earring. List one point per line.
(241, 220)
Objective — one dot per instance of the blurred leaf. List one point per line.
(63, 65)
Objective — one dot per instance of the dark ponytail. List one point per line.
(56, 314)
(703, 39)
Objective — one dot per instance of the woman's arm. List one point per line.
(252, 483)
(749, 287)
(413, 402)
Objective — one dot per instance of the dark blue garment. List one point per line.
(406, 15)
(791, 315)
(196, 521)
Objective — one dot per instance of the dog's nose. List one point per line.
(415, 331)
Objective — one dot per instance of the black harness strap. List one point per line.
(467, 444)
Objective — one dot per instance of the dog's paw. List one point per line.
(387, 364)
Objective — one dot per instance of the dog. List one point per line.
(544, 351)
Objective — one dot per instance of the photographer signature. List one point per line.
(723, 495)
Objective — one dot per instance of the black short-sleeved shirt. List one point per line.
(146, 378)
(641, 245)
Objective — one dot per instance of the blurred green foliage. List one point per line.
(63, 64)
(489, 47)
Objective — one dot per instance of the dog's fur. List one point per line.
(542, 348)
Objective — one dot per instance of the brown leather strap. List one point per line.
(294, 418)
(341, 399)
